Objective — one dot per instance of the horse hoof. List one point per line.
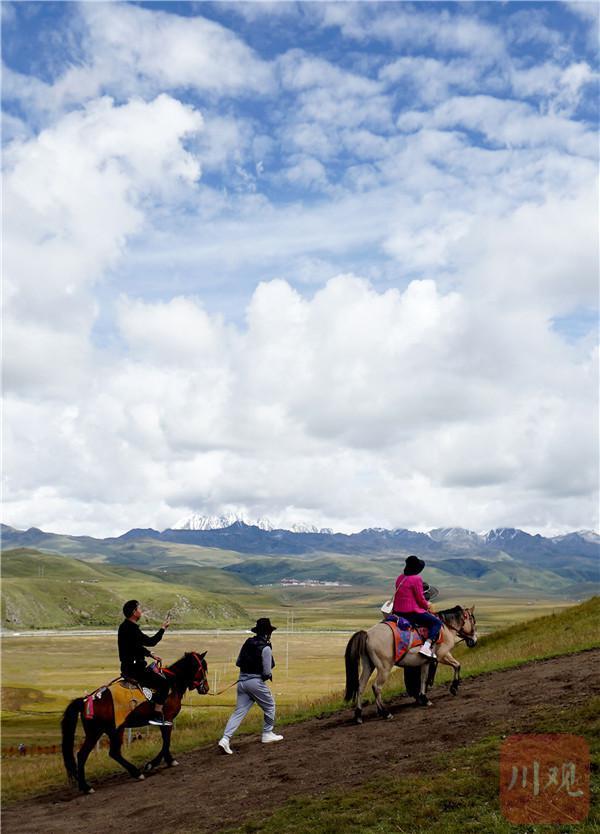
(174, 763)
(140, 778)
(148, 767)
(389, 716)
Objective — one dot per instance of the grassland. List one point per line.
(309, 679)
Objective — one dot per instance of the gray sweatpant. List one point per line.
(251, 691)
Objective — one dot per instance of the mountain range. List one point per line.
(218, 575)
(574, 556)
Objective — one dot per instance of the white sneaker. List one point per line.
(160, 721)
(224, 745)
(426, 649)
(267, 738)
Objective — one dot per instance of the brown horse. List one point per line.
(374, 649)
(189, 672)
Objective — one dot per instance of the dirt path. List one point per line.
(210, 791)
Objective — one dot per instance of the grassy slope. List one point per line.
(456, 800)
(41, 590)
(574, 629)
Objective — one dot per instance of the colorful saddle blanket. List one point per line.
(126, 695)
(405, 638)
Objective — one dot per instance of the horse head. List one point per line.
(468, 630)
(199, 670)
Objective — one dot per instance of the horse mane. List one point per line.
(450, 615)
(181, 666)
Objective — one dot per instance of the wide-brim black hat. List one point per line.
(263, 626)
(413, 565)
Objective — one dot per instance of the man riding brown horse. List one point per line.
(133, 653)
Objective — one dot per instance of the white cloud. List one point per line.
(542, 256)
(129, 51)
(562, 86)
(444, 31)
(357, 406)
(330, 96)
(203, 345)
(73, 196)
(509, 123)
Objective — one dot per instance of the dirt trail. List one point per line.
(210, 791)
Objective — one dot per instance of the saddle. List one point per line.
(126, 695)
(406, 636)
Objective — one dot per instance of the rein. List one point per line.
(221, 691)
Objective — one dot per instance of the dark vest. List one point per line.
(250, 659)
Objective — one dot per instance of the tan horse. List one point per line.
(374, 649)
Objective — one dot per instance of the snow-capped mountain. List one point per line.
(456, 535)
(220, 522)
(586, 535)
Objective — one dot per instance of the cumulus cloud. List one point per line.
(73, 196)
(352, 318)
(350, 399)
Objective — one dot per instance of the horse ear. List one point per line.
(473, 608)
(203, 655)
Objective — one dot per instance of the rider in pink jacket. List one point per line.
(410, 603)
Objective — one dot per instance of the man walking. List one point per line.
(256, 664)
(133, 654)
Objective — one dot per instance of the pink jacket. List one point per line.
(409, 595)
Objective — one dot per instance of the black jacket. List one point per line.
(250, 659)
(132, 642)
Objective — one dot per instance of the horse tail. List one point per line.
(68, 725)
(357, 646)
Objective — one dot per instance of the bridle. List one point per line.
(200, 681)
(467, 617)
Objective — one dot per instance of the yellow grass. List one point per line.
(42, 674)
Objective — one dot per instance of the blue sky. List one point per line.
(326, 262)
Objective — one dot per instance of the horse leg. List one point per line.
(383, 673)
(422, 699)
(169, 759)
(366, 672)
(92, 734)
(116, 742)
(454, 663)
(163, 753)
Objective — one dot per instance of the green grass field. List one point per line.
(309, 679)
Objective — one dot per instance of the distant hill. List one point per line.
(42, 590)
